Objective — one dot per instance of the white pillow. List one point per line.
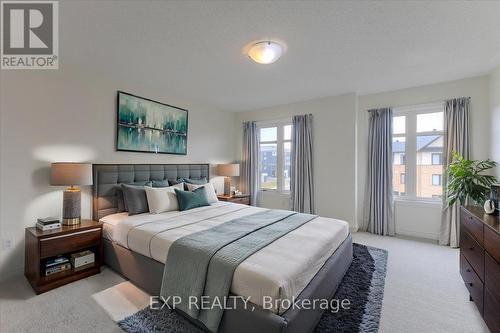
(209, 188)
(162, 199)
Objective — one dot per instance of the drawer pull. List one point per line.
(470, 284)
(471, 248)
(467, 270)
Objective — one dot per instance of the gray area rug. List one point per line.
(363, 286)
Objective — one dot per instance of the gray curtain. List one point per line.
(379, 205)
(250, 161)
(301, 177)
(456, 138)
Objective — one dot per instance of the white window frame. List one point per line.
(440, 177)
(280, 151)
(410, 112)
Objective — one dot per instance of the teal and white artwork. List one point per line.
(145, 125)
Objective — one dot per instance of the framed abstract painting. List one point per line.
(144, 125)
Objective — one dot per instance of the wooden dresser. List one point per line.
(480, 262)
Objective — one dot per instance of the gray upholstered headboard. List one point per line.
(107, 197)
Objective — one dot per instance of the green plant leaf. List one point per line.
(466, 181)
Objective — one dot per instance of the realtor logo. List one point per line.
(30, 35)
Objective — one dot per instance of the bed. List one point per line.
(137, 247)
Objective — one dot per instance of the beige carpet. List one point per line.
(423, 288)
(122, 300)
(423, 293)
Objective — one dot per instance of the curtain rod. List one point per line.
(413, 105)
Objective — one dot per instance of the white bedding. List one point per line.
(109, 222)
(281, 270)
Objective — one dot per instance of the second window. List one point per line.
(274, 156)
(417, 151)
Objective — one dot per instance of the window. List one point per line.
(417, 147)
(399, 151)
(436, 158)
(436, 180)
(274, 155)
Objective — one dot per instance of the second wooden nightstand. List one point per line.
(241, 199)
(42, 245)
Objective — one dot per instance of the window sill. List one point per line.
(275, 192)
(418, 201)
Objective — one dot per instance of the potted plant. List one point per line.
(467, 181)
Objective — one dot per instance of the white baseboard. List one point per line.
(417, 234)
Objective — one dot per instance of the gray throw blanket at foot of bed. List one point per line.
(203, 263)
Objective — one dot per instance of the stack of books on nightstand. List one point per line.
(56, 265)
(48, 223)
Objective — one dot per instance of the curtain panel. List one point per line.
(301, 175)
(456, 138)
(379, 204)
(250, 161)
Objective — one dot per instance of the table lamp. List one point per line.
(72, 175)
(228, 171)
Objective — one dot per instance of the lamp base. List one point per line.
(72, 198)
(71, 221)
(227, 186)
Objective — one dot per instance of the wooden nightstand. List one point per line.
(241, 199)
(42, 245)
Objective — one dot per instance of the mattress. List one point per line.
(279, 271)
(109, 222)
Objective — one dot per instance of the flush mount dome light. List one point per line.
(265, 52)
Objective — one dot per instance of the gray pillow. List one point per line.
(172, 182)
(122, 204)
(175, 181)
(135, 199)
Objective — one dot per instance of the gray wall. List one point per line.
(69, 115)
(495, 117)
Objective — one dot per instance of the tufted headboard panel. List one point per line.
(107, 195)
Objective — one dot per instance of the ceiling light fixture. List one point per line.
(265, 52)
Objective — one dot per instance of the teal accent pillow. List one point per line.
(195, 181)
(189, 200)
(161, 183)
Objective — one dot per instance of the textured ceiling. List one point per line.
(194, 49)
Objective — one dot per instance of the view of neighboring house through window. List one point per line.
(436, 180)
(417, 151)
(436, 158)
(274, 155)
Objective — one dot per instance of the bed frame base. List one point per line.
(147, 274)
